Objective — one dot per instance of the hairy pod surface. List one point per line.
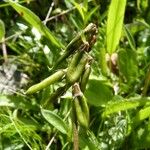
(73, 64)
(80, 106)
(81, 117)
(76, 68)
(46, 82)
(85, 77)
(84, 106)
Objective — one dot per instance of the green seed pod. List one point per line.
(81, 117)
(84, 106)
(80, 106)
(46, 82)
(73, 64)
(85, 77)
(74, 72)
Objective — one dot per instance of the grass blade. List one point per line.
(129, 37)
(80, 10)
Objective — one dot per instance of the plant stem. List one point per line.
(4, 50)
(147, 83)
(75, 137)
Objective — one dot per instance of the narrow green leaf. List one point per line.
(129, 37)
(143, 22)
(2, 30)
(92, 11)
(114, 24)
(125, 105)
(85, 4)
(35, 21)
(55, 120)
(79, 8)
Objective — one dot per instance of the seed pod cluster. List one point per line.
(76, 75)
(86, 35)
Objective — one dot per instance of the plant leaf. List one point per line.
(125, 105)
(141, 115)
(55, 120)
(5, 101)
(79, 8)
(92, 11)
(85, 5)
(88, 142)
(114, 24)
(141, 137)
(2, 30)
(35, 21)
(129, 37)
(98, 92)
(15, 102)
(128, 59)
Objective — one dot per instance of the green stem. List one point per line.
(147, 83)
(57, 94)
